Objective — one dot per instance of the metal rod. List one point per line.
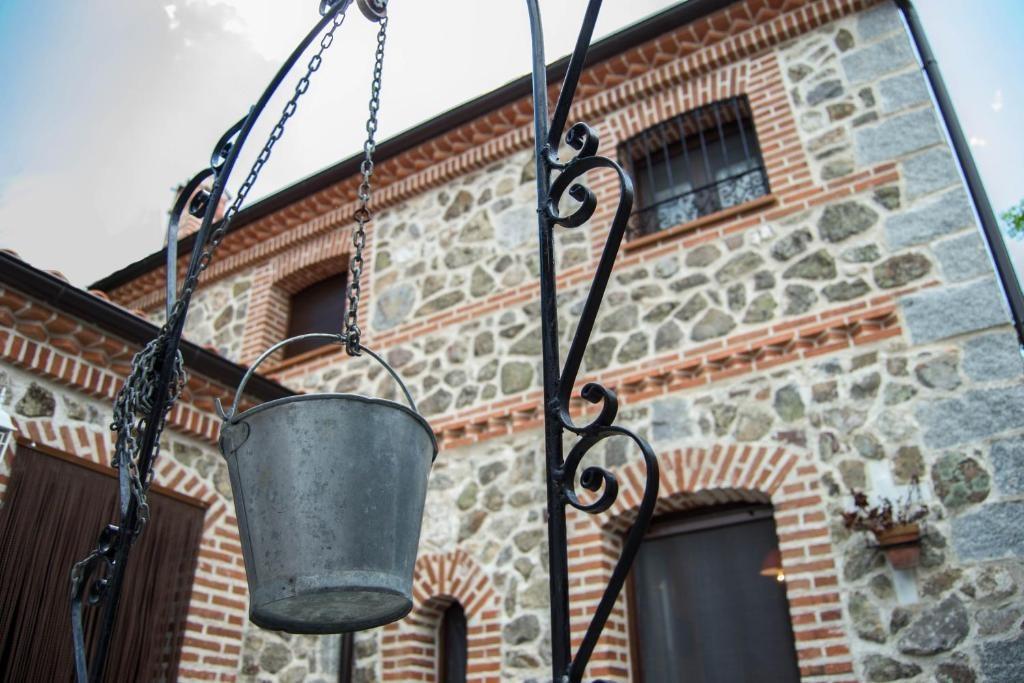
(741, 121)
(703, 146)
(572, 75)
(721, 133)
(129, 508)
(559, 380)
(685, 144)
(649, 164)
(667, 158)
(558, 567)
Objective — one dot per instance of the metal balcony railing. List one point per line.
(695, 164)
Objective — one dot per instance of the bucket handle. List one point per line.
(336, 338)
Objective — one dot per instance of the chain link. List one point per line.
(138, 398)
(362, 214)
(134, 403)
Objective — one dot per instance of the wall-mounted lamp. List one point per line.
(772, 565)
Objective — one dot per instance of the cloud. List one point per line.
(101, 154)
(172, 16)
(997, 101)
(978, 141)
(270, 26)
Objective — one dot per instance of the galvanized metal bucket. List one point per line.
(329, 492)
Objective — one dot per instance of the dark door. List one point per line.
(453, 645)
(703, 612)
(52, 513)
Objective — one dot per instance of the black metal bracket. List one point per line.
(114, 545)
(555, 179)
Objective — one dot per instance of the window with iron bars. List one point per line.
(695, 164)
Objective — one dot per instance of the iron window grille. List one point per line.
(693, 165)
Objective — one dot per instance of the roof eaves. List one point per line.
(109, 317)
(631, 36)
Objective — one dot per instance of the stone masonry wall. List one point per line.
(216, 316)
(848, 334)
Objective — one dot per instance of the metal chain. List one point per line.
(134, 402)
(136, 398)
(362, 214)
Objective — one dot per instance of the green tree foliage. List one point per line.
(1014, 220)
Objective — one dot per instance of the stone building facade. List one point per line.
(844, 330)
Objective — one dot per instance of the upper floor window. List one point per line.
(319, 307)
(695, 164)
(452, 647)
(703, 609)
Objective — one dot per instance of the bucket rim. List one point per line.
(240, 417)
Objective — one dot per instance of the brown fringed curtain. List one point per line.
(51, 516)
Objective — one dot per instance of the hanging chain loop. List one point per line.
(362, 214)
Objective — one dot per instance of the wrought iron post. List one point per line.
(157, 373)
(559, 381)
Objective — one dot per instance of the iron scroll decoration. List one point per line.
(157, 374)
(559, 382)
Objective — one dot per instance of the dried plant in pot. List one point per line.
(895, 525)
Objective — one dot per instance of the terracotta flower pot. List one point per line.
(901, 545)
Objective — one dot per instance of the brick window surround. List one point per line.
(409, 647)
(740, 82)
(694, 164)
(696, 478)
(279, 278)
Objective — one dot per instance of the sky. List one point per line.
(109, 104)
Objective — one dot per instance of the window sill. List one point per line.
(716, 217)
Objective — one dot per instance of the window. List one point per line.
(693, 165)
(317, 308)
(452, 645)
(703, 611)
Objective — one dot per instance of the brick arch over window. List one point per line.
(693, 478)
(409, 649)
(662, 105)
(217, 607)
(288, 273)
